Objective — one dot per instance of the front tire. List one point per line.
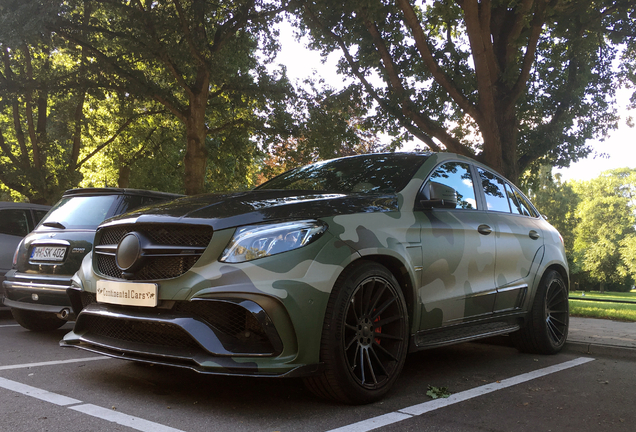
(546, 328)
(364, 338)
(37, 321)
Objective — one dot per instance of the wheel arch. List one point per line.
(401, 273)
(562, 271)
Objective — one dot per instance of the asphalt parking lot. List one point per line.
(494, 388)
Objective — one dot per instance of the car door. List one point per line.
(458, 253)
(519, 239)
(14, 226)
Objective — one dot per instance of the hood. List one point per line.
(228, 210)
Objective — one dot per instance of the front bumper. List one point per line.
(39, 295)
(225, 335)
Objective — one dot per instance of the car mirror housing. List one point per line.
(437, 195)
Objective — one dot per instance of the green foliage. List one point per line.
(511, 83)
(556, 200)
(597, 220)
(606, 225)
(202, 62)
(437, 392)
(330, 125)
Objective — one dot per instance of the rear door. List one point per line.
(519, 239)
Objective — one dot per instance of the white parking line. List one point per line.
(419, 409)
(53, 363)
(92, 410)
(77, 405)
(122, 419)
(10, 325)
(37, 393)
(362, 426)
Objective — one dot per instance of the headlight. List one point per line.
(257, 241)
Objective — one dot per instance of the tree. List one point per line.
(196, 59)
(149, 155)
(557, 200)
(51, 122)
(605, 232)
(507, 82)
(330, 124)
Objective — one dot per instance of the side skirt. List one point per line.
(458, 334)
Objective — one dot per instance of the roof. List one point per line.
(120, 191)
(15, 205)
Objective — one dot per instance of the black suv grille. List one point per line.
(190, 241)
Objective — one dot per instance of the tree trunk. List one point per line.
(123, 181)
(508, 133)
(195, 160)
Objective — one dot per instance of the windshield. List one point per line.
(80, 212)
(374, 173)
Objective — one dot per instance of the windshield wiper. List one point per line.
(54, 225)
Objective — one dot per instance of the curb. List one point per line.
(599, 349)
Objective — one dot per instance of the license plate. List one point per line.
(127, 293)
(48, 253)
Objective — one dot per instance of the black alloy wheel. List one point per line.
(546, 327)
(373, 336)
(557, 311)
(365, 336)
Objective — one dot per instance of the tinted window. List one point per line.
(496, 198)
(457, 175)
(39, 214)
(128, 203)
(371, 173)
(81, 212)
(515, 207)
(14, 222)
(526, 208)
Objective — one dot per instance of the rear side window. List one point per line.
(522, 205)
(515, 206)
(39, 215)
(128, 203)
(14, 222)
(494, 189)
(81, 212)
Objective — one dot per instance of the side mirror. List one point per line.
(438, 195)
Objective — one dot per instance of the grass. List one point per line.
(624, 296)
(604, 310)
(612, 311)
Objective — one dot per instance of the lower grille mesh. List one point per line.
(150, 333)
(236, 327)
(230, 318)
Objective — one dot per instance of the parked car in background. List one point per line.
(332, 272)
(16, 221)
(45, 260)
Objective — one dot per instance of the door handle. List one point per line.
(533, 234)
(484, 229)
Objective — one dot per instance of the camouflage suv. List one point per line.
(332, 272)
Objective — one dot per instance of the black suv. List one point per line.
(47, 258)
